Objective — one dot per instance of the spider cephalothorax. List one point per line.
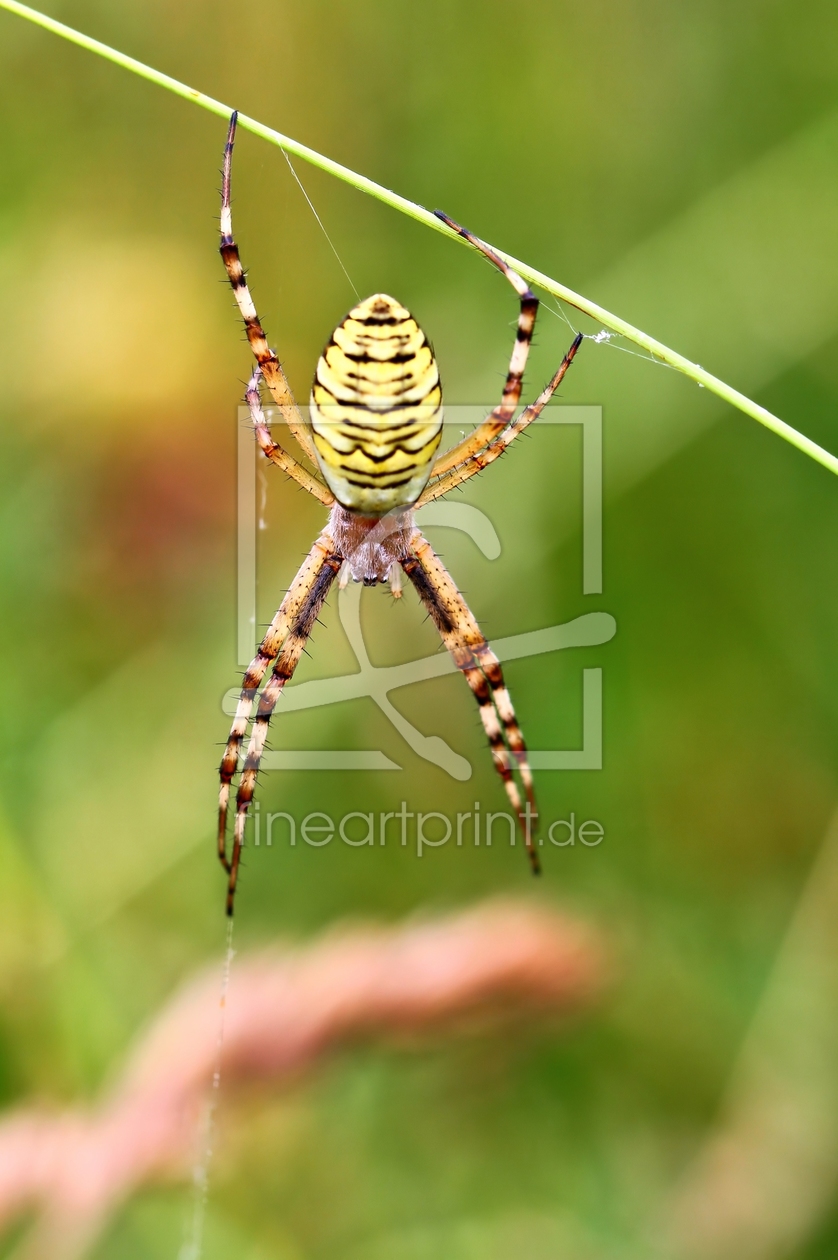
(372, 546)
(376, 423)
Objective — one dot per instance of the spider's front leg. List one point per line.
(493, 436)
(271, 368)
(277, 454)
(503, 413)
(283, 643)
(481, 668)
(481, 459)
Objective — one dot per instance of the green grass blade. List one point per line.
(613, 322)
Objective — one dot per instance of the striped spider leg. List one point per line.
(283, 644)
(503, 413)
(275, 378)
(287, 633)
(480, 459)
(276, 453)
(437, 590)
(494, 435)
(481, 668)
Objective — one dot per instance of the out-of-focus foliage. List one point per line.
(676, 162)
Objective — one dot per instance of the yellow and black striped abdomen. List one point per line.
(376, 408)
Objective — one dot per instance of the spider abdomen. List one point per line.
(376, 408)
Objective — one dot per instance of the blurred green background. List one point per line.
(679, 164)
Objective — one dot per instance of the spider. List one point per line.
(375, 426)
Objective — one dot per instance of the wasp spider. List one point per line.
(375, 426)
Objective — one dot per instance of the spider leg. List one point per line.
(503, 413)
(471, 653)
(275, 452)
(319, 563)
(271, 368)
(481, 459)
(307, 595)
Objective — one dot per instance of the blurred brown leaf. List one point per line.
(285, 1010)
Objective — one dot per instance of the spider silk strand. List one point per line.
(332, 245)
(193, 1243)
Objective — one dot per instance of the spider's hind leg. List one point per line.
(481, 668)
(283, 643)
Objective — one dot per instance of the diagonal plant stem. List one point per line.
(613, 322)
